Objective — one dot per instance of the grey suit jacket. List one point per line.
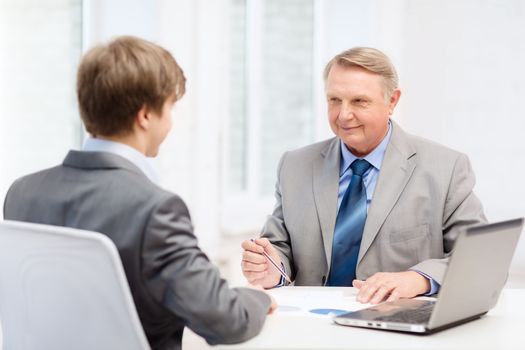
(172, 282)
(422, 199)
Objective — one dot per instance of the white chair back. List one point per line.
(64, 289)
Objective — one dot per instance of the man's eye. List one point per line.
(361, 102)
(334, 100)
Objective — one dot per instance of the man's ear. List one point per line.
(142, 118)
(394, 99)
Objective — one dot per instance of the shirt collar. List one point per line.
(125, 151)
(375, 157)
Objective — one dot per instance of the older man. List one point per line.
(373, 207)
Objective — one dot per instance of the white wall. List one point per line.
(38, 120)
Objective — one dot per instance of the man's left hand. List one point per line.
(390, 286)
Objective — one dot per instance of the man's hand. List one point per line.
(273, 304)
(391, 286)
(255, 267)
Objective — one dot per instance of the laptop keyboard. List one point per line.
(420, 315)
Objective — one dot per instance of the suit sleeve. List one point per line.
(275, 228)
(180, 276)
(462, 208)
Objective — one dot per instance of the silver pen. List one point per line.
(279, 268)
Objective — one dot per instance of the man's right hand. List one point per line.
(255, 267)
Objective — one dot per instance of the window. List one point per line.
(271, 102)
(40, 46)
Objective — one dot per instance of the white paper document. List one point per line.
(318, 302)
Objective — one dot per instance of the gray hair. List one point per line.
(370, 59)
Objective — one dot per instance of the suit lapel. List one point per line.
(397, 168)
(326, 187)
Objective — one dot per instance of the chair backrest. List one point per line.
(63, 289)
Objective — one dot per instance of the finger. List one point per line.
(253, 277)
(368, 287)
(273, 305)
(249, 245)
(253, 258)
(271, 251)
(394, 295)
(263, 242)
(251, 267)
(366, 292)
(381, 294)
(358, 283)
(267, 246)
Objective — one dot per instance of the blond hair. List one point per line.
(370, 59)
(114, 81)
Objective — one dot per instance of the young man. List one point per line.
(126, 90)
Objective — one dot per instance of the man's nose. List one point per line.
(346, 112)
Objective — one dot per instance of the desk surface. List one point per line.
(502, 328)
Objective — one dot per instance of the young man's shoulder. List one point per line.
(127, 184)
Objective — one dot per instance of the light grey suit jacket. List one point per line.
(172, 282)
(422, 199)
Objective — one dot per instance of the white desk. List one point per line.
(502, 328)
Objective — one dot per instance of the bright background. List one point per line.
(254, 70)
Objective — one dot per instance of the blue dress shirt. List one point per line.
(375, 158)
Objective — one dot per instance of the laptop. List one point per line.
(476, 274)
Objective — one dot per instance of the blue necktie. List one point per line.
(349, 227)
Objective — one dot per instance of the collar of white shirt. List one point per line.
(138, 159)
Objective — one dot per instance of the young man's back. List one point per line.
(172, 282)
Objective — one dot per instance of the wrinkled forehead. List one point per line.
(353, 79)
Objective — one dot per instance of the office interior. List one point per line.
(255, 90)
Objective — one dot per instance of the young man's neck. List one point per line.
(130, 140)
